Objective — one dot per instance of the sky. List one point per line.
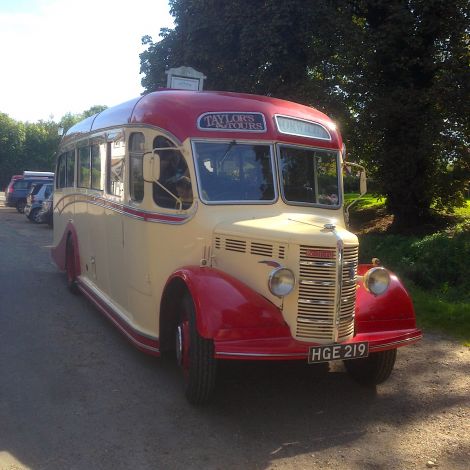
(60, 56)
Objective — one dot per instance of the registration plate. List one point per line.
(337, 352)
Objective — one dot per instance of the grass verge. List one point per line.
(435, 312)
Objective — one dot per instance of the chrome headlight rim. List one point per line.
(377, 280)
(284, 288)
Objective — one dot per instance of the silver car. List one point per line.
(39, 192)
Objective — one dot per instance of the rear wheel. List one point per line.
(372, 370)
(70, 266)
(195, 355)
(20, 205)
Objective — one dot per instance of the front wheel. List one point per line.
(195, 355)
(372, 370)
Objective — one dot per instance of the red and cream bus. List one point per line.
(211, 225)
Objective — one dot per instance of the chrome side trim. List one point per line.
(300, 355)
(395, 343)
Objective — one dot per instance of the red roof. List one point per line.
(177, 111)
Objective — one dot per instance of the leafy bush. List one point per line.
(437, 262)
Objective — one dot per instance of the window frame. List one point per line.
(79, 166)
(68, 154)
(337, 152)
(96, 146)
(272, 153)
(133, 154)
(111, 139)
(61, 163)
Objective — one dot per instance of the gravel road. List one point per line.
(74, 394)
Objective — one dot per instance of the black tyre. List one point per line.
(33, 216)
(372, 370)
(20, 205)
(70, 267)
(195, 355)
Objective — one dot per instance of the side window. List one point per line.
(174, 188)
(70, 160)
(48, 191)
(83, 180)
(96, 181)
(61, 183)
(136, 176)
(115, 153)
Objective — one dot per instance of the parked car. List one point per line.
(45, 215)
(39, 192)
(20, 186)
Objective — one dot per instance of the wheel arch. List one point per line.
(59, 252)
(170, 304)
(225, 307)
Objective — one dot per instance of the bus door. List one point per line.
(96, 221)
(136, 239)
(113, 218)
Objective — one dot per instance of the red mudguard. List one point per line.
(245, 325)
(227, 309)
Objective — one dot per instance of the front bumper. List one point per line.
(287, 348)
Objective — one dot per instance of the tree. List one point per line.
(393, 73)
(32, 146)
(409, 85)
(11, 140)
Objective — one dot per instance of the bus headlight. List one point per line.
(377, 280)
(281, 282)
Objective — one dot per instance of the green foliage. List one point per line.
(26, 146)
(368, 201)
(437, 262)
(434, 311)
(393, 73)
(32, 146)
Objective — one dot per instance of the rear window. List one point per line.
(22, 184)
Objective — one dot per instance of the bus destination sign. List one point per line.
(232, 122)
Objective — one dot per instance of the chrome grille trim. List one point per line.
(327, 293)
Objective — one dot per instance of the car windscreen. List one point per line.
(309, 176)
(233, 172)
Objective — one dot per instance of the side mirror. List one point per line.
(151, 166)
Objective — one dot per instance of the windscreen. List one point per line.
(234, 172)
(309, 175)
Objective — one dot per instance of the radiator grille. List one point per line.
(317, 293)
